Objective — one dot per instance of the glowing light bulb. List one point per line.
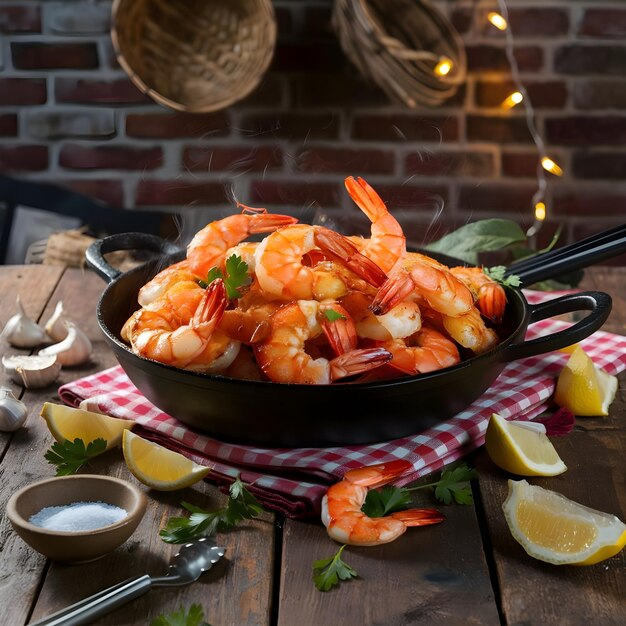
(514, 99)
(550, 166)
(497, 20)
(444, 66)
(540, 211)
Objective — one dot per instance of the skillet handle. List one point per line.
(94, 254)
(597, 302)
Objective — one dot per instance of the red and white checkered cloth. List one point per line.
(293, 481)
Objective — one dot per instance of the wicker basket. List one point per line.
(194, 55)
(397, 44)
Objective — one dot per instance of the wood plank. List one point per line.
(431, 575)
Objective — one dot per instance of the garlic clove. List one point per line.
(13, 412)
(55, 326)
(33, 372)
(21, 332)
(73, 350)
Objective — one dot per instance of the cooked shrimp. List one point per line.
(490, 295)
(281, 272)
(283, 357)
(209, 246)
(165, 279)
(420, 277)
(470, 331)
(346, 523)
(387, 244)
(426, 351)
(245, 251)
(178, 328)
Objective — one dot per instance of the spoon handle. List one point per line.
(99, 604)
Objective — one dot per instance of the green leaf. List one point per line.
(381, 502)
(328, 572)
(332, 315)
(497, 273)
(236, 276)
(453, 485)
(482, 236)
(193, 617)
(70, 456)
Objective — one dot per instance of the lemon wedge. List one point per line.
(552, 528)
(522, 451)
(65, 422)
(157, 467)
(584, 389)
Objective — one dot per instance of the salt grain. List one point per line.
(78, 516)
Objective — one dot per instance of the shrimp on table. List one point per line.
(164, 280)
(177, 329)
(346, 523)
(387, 244)
(283, 356)
(209, 246)
(490, 295)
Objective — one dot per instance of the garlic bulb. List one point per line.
(32, 371)
(13, 412)
(55, 326)
(20, 331)
(73, 350)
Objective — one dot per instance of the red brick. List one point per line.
(60, 124)
(23, 158)
(179, 193)
(232, 158)
(321, 90)
(16, 19)
(598, 60)
(599, 165)
(589, 202)
(600, 94)
(497, 198)
(308, 57)
(294, 194)
(8, 125)
(345, 160)
(603, 22)
(51, 56)
(284, 20)
(81, 157)
(17, 91)
(537, 22)
(520, 164)
(405, 127)
(498, 129)
(107, 190)
(88, 91)
(317, 23)
(581, 131)
(544, 95)
(447, 163)
(293, 126)
(482, 58)
(269, 93)
(412, 198)
(169, 125)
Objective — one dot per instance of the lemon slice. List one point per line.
(584, 389)
(522, 451)
(552, 528)
(64, 422)
(158, 467)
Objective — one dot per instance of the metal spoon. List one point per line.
(186, 566)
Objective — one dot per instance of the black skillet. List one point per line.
(294, 415)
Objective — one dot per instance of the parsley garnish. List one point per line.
(332, 315)
(236, 276)
(453, 484)
(328, 572)
(193, 617)
(70, 456)
(497, 273)
(241, 505)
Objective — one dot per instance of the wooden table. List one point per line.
(468, 570)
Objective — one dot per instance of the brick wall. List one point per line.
(69, 114)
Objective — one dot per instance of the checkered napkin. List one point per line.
(293, 481)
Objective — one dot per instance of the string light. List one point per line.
(550, 166)
(513, 100)
(497, 20)
(444, 66)
(540, 211)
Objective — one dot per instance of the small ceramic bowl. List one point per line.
(76, 546)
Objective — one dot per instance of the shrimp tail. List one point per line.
(492, 302)
(373, 476)
(357, 362)
(365, 197)
(213, 304)
(263, 222)
(393, 290)
(341, 332)
(341, 249)
(419, 517)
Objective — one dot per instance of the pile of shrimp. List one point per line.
(319, 307)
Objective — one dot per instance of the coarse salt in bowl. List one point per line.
(75, 519)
